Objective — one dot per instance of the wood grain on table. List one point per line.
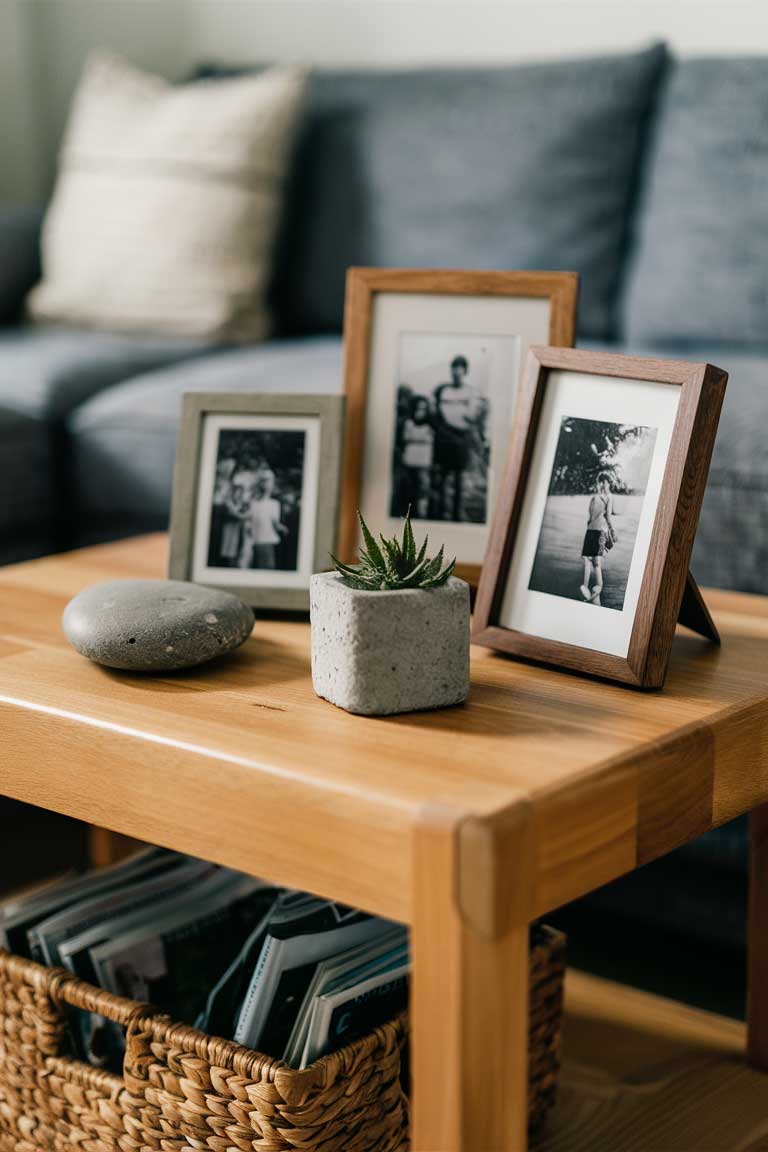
(645, 1074)
(242, 763)
(465, 823)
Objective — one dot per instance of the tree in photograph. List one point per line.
(585, 448)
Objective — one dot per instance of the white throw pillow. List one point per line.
(167, 202)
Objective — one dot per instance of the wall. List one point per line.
(43, 44)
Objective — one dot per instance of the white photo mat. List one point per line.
(509, 325)
(587, 396)
(213, 424)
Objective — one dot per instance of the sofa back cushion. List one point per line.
(167, 202)
(516, 167)
(700, 271)
(19, 258)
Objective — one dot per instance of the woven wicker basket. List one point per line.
(184, 1090)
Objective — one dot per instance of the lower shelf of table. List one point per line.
(643, 1074)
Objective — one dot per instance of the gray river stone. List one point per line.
(155, 625)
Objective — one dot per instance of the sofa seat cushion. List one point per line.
(26, 513)
(701, 267)
(510, 167)
(47, 370)
(124, 440)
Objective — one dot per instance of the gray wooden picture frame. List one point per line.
(196, 407)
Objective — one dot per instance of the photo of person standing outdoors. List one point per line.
(256, 500)
(599, 537)
(441, 450)
(595, 498)
(456, 411)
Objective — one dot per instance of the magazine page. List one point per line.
(16, 924)
(358, 962)
(44, 939)
(173, 964)
(75, 951)
(340, 1017)
(92, 1038)
(297, 940)
(219, 1017)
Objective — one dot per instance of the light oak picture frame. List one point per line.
(667, 592)
(365, 286)
(322, 419)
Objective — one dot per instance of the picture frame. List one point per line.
(652, 425)
(246, 513)
(403, 331)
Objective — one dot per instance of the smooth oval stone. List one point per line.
(155, 625)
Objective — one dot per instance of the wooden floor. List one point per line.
(642, 1074)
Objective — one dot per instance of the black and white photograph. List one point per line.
(432, 366)
(441, 450)
(592, 512)
(256, 499)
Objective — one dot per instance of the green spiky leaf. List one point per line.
(394, 561)
(373, 551)
(422, 550)
(395, 564)
(434, 566)
(409, 543)
(442, 577)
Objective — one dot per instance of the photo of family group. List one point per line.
(256, 499)
(441, 449)
(595, 497)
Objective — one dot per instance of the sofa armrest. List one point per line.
(19, 258)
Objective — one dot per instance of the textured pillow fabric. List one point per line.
(167, 202)
(519, 167)
(700, 269)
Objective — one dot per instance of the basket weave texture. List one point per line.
(181, 1089)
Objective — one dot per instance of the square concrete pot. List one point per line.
(376, 653)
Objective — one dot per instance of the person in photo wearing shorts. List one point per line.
(599, 537)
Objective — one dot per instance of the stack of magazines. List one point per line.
(281, 971)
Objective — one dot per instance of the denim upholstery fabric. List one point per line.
(26, 514)
(47, 370)
(123, 444)
(700, 272)
(124, 440)
(19, 258)
(518, 167)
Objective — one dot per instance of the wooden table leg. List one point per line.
(757, 942)
(105, 847)
(470, 982)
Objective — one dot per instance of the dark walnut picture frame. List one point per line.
(667, 592)
(251, 414)
(364, 287)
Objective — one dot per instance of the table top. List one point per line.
(241, 763)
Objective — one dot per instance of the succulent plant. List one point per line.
(394, 564)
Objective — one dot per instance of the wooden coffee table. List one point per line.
(466, 823)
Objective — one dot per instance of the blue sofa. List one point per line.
(645, 174)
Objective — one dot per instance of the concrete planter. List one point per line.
(376, 653)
